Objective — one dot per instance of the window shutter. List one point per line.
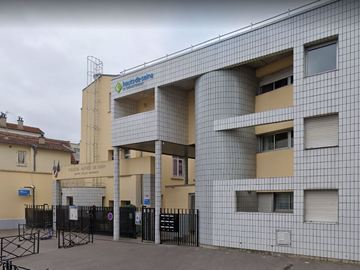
(321, 131)
(321, 205)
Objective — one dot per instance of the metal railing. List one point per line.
(250, 27)
(12, 247)
(75, 236)
(179, 227)
(8, 265)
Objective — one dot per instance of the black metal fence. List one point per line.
(179, 226)
(74, 236)
(12, 247)
(39, 216)
(99, 218)
(9, 265)
(148, 224)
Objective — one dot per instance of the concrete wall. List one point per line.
(222, 155)
(83, 196)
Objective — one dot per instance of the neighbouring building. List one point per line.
(274, 115)
(27, 160)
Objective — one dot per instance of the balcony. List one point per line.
(140, 127)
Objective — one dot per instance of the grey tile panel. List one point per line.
(255, 119)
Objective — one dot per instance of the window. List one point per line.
(127, 154)
(21, 160)
(268, 142)
(321, 205)
(69, 200)
(321, 58)
(265, 202)
(109, 102)
(275, 85)
(321, 131)
(283, 202)
(110, 154)
(178, 167)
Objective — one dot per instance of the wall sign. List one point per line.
(73, 212)
(128, 84)
(24, 192)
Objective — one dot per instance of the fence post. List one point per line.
(1, 249)
(197, 227)
(38, 242)
(142, 224)
(178, 226)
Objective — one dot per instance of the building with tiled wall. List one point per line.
(276, 128)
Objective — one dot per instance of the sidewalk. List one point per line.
(107, 254)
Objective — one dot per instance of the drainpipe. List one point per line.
(34, 157)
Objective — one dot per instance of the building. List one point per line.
(26, 169)
(273, 112)
(91, 182)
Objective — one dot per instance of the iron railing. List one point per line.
(74, 236)
(99, 218)
(45, 233)
(12, 247)
(179, 227)
(148, 224)
(9, 265)
(39, 216)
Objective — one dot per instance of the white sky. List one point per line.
(44, 47)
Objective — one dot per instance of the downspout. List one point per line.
(34, 156)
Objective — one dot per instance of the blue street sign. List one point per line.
(24, 192)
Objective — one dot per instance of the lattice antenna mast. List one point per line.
(94, 67)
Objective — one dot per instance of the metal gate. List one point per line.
(179, 227)
(148, 224)
(101, 219)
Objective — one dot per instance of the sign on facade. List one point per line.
(110, 216)
(24, 192)
(73, 212)
(138, 218)
(147, 202)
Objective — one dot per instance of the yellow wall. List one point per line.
(277, 163)
(45, 159)
(94, 146)
(275, 66)
(269, 128)
(12, 205)
(146, 104)
(9, 158)
(13, 177)
(130, 189)
(276, 99)
(177, 197)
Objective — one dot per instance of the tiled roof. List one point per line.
(50, 144)
(25, 128)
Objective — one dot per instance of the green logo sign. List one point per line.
(118, 87)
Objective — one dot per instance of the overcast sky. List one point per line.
(44, 47)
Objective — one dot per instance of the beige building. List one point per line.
(27, 159)
(91, 181)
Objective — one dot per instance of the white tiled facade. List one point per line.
(225, 139)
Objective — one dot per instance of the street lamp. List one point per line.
(33, 194)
